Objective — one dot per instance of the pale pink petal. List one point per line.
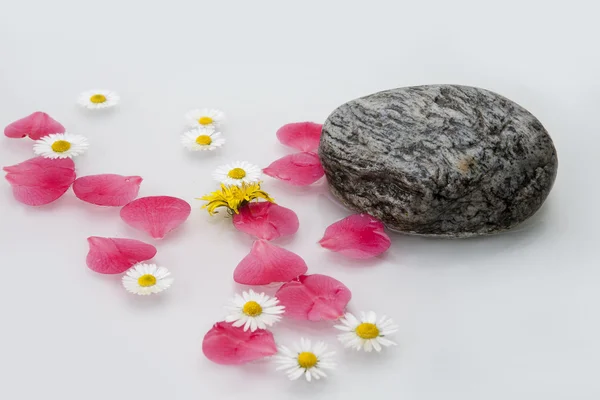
(304, 136)
(314, 298)
(107, 189)
(298, 169)
(157, 215)
(40, 180)
(114, 256)
(268, 263)
(357, 236)
(266, 220)
(227, 345)
(36, 126)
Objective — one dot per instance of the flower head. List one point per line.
(144, 279)
(96, 99)
(60, 145)
(306, 360)
(254, 311)
(234, 197)
(237, 173)
(205, 118)
(366, 333)
(202, 139)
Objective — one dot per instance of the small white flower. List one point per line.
(60, 145)
(205, 118)
(202, 139)
(306, 360)
(95, 99)
(144, 279)
(237, 173)
(254, 311)
(366, 333)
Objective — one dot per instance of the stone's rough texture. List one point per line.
(439, 160)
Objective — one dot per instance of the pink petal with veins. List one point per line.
(36, 126)
(266, 220)
(107, 189)
(114, 256)
(157, 215)
(357, 236)
(300, 169)
(227, 345)
(304, 136)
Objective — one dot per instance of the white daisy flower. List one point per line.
(366, 332)
(60, 145)
(306, 360)
(144, 279)
(205, 118)
(237, 173)
(202, 139)
(95, 99)
(254, 311)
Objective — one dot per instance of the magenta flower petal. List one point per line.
(314, 298)
(304, 136)
(114, 256)
(357, 236)
(300, 169)
(157, 215)
(266, 220)
(268, 263)
(36, 126)
(107, 189)
(227, 345)
(40, 180)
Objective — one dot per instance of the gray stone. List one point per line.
(439, 160)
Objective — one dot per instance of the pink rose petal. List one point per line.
(300, 169)
(157, 215)
(107, 189)
(227, 345)
(40, 180)
(314, 298)
(304, 136)
(268, 263)
(266, 220)
(36, 126)
(114, 256)
(357, 236)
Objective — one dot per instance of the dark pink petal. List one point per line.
(40, 180)
(107, 189)
(157, 215)
(357, 236)
(266, 220)
(314, 298)
(227, 345)
(304, 136)
(114, 256)
(36, 126)
(268, 263)
(298, 169)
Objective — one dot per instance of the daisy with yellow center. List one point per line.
(237, 173)
(96, 99)
(145, 279)
(60, 145)
(366, 333)
(205, 118)
(233, 197)
(202, 139)
(254, 311)
(305, 359)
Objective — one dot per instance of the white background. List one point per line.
(508, 317)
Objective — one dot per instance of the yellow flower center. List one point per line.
(205, 120)
(306, 359)
(147, 280)
(252, 309)
(236, 173)
(203, 140)
(98, 98)
(367, 330)
(60, 146)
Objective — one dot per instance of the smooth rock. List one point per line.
(439, 160)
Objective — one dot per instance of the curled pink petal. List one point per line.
(268, 263)
(357, 236)
(227, 345)
(40, 180)
(300, 169)
(314, 298)
(266, 220)
(157, 215)
(114, 256)
(107, 189)
(36, 126)
(304, 136)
